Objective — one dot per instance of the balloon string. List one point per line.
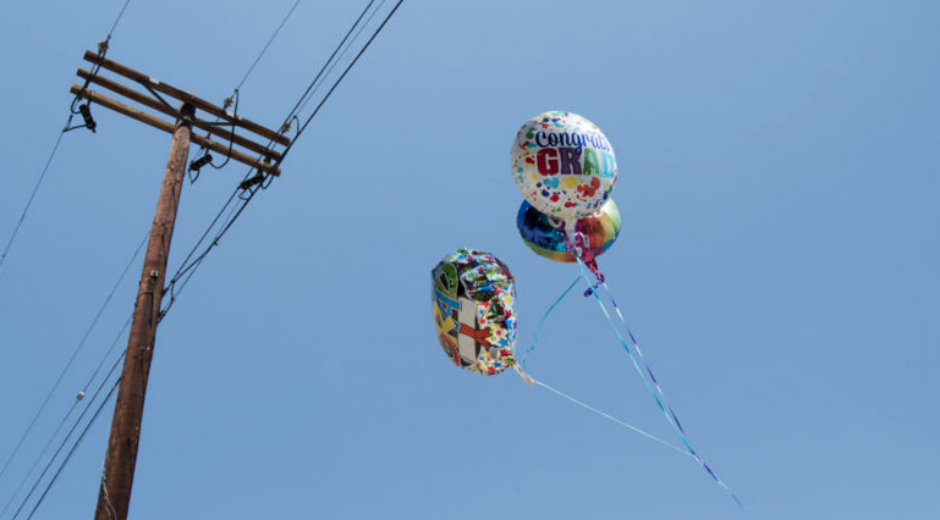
(545, 317)
(657, 394)
(610, 417)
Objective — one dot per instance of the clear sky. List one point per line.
(779, 165)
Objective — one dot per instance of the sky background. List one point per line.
(779, 165)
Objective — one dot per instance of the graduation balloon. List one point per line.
(564, 165)
(546, 235)
(474, 311)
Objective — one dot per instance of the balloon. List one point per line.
(474, 311)
(563, 165)
(546, 236)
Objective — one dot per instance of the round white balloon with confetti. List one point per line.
(564, 165)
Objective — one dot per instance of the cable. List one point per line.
(38, 458)
(329, 60)
(265, 49)
(89, 123)
(191, 264)
(29, 202)
(231, 141)
(69, 435)
(79, 398)
(116, 21)
(228, 157)
(75, 446)
(127, 323)
(75, 404)
(102, 50)
(71, 360)
(188, 269)
(343, 75)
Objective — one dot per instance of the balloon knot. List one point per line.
(525, 377)
(592, 265)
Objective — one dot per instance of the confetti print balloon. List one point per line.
(474, 311)
(546, 236)
(563, 165)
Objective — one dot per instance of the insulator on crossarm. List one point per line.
(247, 183)
(86, 115)
(197, 165)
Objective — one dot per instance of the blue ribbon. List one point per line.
(657, 394)
(545, 317)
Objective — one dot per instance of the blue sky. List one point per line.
(778, 170)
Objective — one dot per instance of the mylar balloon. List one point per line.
(474, 311)
(546, 235)
(563, 165)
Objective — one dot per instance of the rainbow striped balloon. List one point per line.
(546, 235)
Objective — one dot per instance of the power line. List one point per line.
(71, 360)
(75, 404)
(190, 264)
(39, 457)
(328, 61)
(343, 75)
(346, 49)
(102, 49)
(265, 49)
(32, 196)
(78, 443)
(206, 157)
(89, 123)
(68, 436)
(118, 19)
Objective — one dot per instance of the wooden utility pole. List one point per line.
(115, 494)
(121, 459)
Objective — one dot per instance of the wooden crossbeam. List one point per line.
(143, 117)
(150, 102)
(185, 97)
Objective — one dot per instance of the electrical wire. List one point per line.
(75, 353)
(102, 50)
(75, 404)
(265, 49)
(68, 436)
(343, 75)
(329, 60)
(75, 446)
(118, 19)
(231, 141)
(192, 262)
(194, 166)
(342, 54)
(38, 458)
(188, 268)
(235, 95)
(29, 202)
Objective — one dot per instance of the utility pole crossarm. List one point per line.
(185, 97)
(150, 102)
(168, 127)
(238, 146)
